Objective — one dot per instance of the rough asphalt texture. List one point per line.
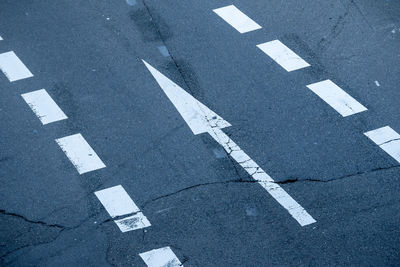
(87, 55)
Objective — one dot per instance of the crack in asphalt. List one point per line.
(287, 181)
(4, 212)
(295, 180)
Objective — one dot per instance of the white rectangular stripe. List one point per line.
(336, 98)
(13, 67)
(116, 201)
(1, 39)
(387, 139)
(160, 257)
(134, 222)
(237, 19)
(44, 106)
(80, 153)
(282, 55)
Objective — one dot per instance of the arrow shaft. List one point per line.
(259, 175)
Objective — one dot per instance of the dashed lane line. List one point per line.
(387, 139)
(161, 257)
(201, 119)
(118, 203)
(80, 153)
(13, 68)
(337, 98)
(237, 19)
(44, 106)
(282, 55)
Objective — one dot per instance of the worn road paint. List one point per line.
(44, 106)
(282, 55)
(199, 119)
(336, 98)
(118, 203)
(377, 83)
(134, 222)
(160, 257)
(163, 50)
(237, 19)
(1, 39)
(387, 139)
(80, 153)
(13, 68)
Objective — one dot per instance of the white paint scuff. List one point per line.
(162, 257)
(80, 153)
(387, 139)
(237, 19)
(1, 39)
(337, 98)
(44, 106)
(282, 55)
(13, 68)
(118, 203)
(201, 119)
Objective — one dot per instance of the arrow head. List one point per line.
(199, 118)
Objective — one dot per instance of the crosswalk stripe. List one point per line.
(160, 257)
(44, 106)
(13, 68)
(80, 153)
(237, 19)
(118, 203)
(387, 139)
(337, 98)
(282, 55)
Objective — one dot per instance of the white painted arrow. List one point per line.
(203, 120)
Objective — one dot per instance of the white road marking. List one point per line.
(13, 67)
(377, 83)
(387, 139)
(282, 55)
(162, 257)
(80, 153)
(118, 203)
(336, 98)
(1, 39)
(201, 119)
(44, 106)
(134, 222)
(237, 19)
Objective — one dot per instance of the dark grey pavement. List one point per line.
(87, 55)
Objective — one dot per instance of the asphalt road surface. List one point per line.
(122, 162)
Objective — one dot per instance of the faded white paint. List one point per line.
(237, 19)
(162, 257)
(387, 139)
(134, 222)
(13, 68)
(44, 106)
(1, 39)
(337, 98)
(196, 116)
(282, 55)
(80, 153)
